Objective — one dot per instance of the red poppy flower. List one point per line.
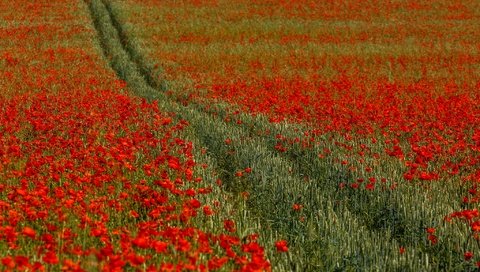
(281, 245)
(29, 232)
(468, 256)
(229, 225)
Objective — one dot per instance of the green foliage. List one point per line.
(337, 229)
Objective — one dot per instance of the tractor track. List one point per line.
(271, 167)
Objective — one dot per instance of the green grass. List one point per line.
(342, 229)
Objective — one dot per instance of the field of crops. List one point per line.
(215, 135)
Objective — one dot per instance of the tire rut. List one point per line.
(274, 170)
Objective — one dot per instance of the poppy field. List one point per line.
(213, 135)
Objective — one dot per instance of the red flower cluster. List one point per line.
(395, 88)
(424, 105)
(106, 169)
(281, 245)
(93, 179)
(431, 235)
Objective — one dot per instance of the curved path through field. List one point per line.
(335, 232)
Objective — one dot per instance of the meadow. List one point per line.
(239, 135)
